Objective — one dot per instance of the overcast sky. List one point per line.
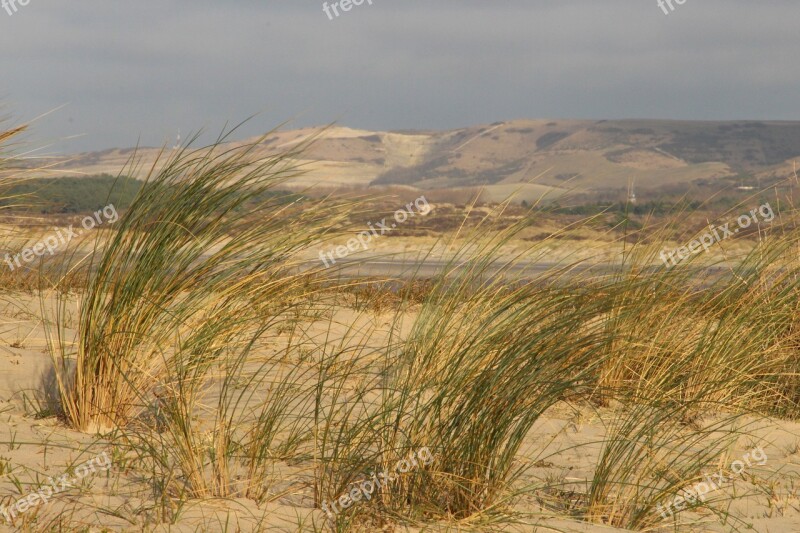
(146, 69)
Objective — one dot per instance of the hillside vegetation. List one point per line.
(534, 157)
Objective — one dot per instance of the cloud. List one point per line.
(147, 69)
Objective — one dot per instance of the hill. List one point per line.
(537, 156)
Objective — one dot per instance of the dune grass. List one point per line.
(484, 358)
(206, 350)
(176, 281)
(482, 361)
(11, 178)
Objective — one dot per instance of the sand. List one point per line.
(563, 445)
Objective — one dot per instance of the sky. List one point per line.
(109, 73)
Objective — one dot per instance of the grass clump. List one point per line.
(177, 279)
(481, 360)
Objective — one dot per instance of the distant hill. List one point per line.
(548, 156)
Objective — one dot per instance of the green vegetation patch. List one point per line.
(64, 195)
(75, 195)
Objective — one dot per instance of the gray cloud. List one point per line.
(146, 69)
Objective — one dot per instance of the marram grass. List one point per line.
(207, 353)
(177, 279)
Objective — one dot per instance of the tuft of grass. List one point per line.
(176, 281)
(483, 358)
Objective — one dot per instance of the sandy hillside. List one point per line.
(561, 155)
